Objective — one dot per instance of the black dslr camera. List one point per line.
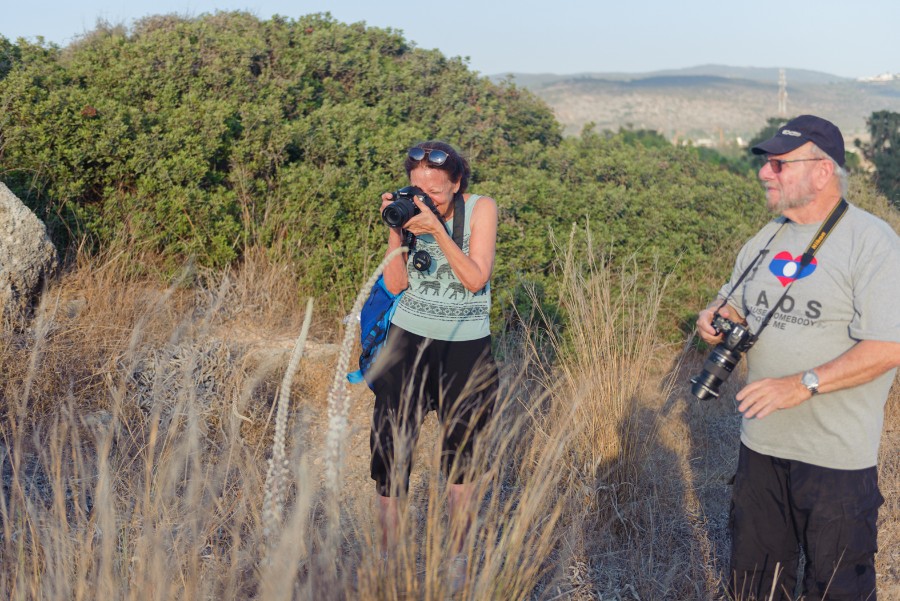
(723, 358)
(403, 208)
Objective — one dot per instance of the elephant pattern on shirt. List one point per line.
(457, 289)
(412, 271)
(443, 270)
(437, 304)
(429, 286)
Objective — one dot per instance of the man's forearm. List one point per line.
(867, 360)
(864, 362)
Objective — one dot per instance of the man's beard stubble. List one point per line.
(797, 201)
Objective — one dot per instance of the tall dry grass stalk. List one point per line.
(634, 526)
(279, 467)
(337, 394)
(607, 355)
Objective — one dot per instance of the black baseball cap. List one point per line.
(800, 130)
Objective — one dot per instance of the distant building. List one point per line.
(884, 77)
(697, 142)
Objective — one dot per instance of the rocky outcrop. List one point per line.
(27, 256)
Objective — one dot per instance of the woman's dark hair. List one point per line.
(456, 166)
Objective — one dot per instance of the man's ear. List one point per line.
(823, 173)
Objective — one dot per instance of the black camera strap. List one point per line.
(832, 220)
(459, 219)
(762, 251)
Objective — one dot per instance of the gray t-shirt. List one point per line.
(849, 293)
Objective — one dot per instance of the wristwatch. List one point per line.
(811, 381)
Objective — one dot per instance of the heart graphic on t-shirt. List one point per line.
(785, 267)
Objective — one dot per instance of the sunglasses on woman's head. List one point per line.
(434, 155)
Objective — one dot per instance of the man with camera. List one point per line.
(812, 303)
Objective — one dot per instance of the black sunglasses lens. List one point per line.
(775, 164)
(438, 157)
(435, 156)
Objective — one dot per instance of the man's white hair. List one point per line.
(842, 174)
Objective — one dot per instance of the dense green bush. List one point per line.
(202, 137)
(662, 205)
(883, 150)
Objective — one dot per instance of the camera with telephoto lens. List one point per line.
(403, 208)
(737, 340)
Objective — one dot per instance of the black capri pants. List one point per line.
(414, 375)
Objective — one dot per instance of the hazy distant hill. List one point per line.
(762, 74)
(709, 103)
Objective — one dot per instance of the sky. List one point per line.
(556, 36)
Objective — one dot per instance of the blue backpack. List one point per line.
(374, 322)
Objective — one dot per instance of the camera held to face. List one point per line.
(403, 208)
(721, 361)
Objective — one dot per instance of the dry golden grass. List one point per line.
(136, 423)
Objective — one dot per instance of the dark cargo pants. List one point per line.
(781, 506)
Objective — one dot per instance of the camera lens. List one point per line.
(402, 209)
(716, 369)
(394, 215)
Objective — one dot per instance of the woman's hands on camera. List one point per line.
(425, 222)
(395, 276)
(386, 199)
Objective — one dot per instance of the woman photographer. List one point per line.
(438, 350)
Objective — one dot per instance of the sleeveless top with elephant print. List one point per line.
(436, 304)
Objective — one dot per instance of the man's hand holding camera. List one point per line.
(762, 397)
(708, 333)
